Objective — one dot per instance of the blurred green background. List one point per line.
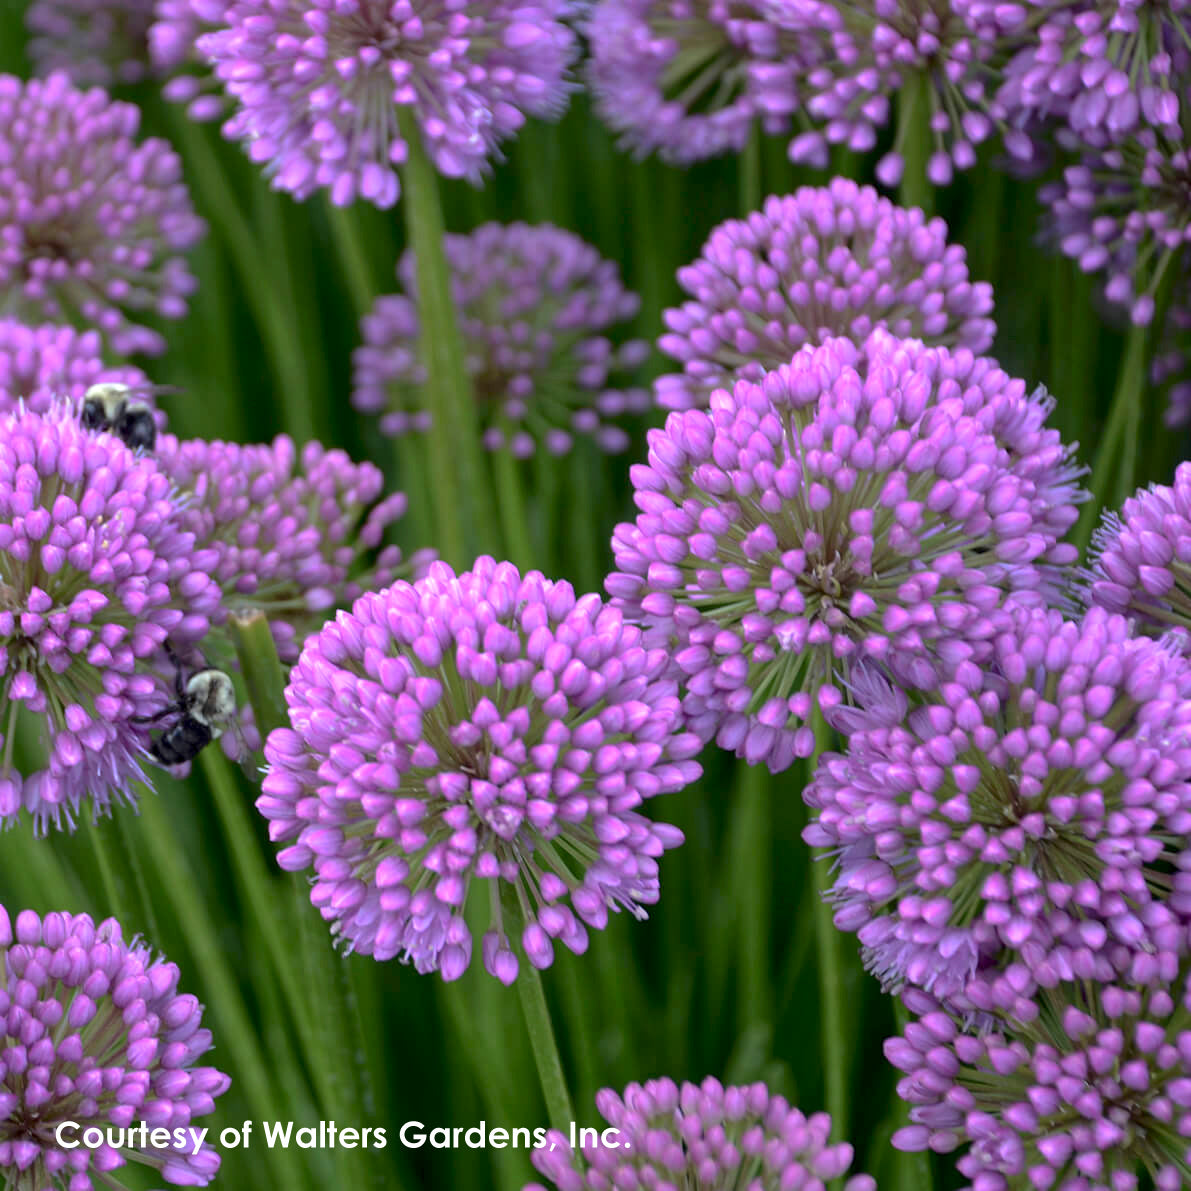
(722, 978)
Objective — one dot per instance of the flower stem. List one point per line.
(753, 894)
(261, 667)
(916, 1166)
(353, 256)
(913, 142)
(1111, 463)
(545, 1049)
(831, 985)
(462, 504)
(749, 169)
(513, 514)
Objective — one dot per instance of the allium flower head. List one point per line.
(93, 1030)
(535, 307)
(40, 365)
(92, 224)
(1084, 1087)
(1051, 789)
(871, 49)
(856, 504)
(690, 78)
(1141, 560)
(320, 83)
(95, 573)
(99, 43)
(1108, 67)
(824, 261)
(282, 531)
(700, 1135)
(481, 727)
(1125, 212)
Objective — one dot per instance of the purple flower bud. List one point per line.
(81, 200)
(535, 307)
(99, 43)
(285, 532)
(39, 365)
(130, 1058)
(1047, 1096)
(661, 1134)
(872, 505)
(402, 782)
(824, 261)
(97, 573)
(1032, 819)
(689, 81)
(319, 87)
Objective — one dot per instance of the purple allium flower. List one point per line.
(99, 43)
(1083, 1087)
(1141, 560)
(485, 726)
(282, 531)
(700, 1135)
(1125, 212)
(1108, 67)
(173, 47)
(92, 225)
(857, 503)
(93, 1030)
(95, 573)
(40, 365)
(1054, 782)
(535, 307)
(833, 260)
(873, 48)
(320, 83)
(688, 78)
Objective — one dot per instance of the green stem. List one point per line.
(114, 891)
(1113, 469)
(545, 1049)
(128, 848)
(261, 667)
(749, 169)
(261, 287)
(831, 984)
(353, 256)
(750, 861)
(913, 142)
(514, 515)
(461, 500)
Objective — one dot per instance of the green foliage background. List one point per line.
(722, 978)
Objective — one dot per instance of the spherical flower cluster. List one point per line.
(40, 365)
(321, 85)
(95, 573)
(1052, 789)
(1124, 212)
(535, 307)
(99, 43)
(92, 224)
(94, 1031)
(871, 49)
(833, 260)
(690, 78)
(1107, 67)
(485, 726)
(1083, 1087)
(700, 1135)
(284, 532)
(873, 503)
(1141, 560)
